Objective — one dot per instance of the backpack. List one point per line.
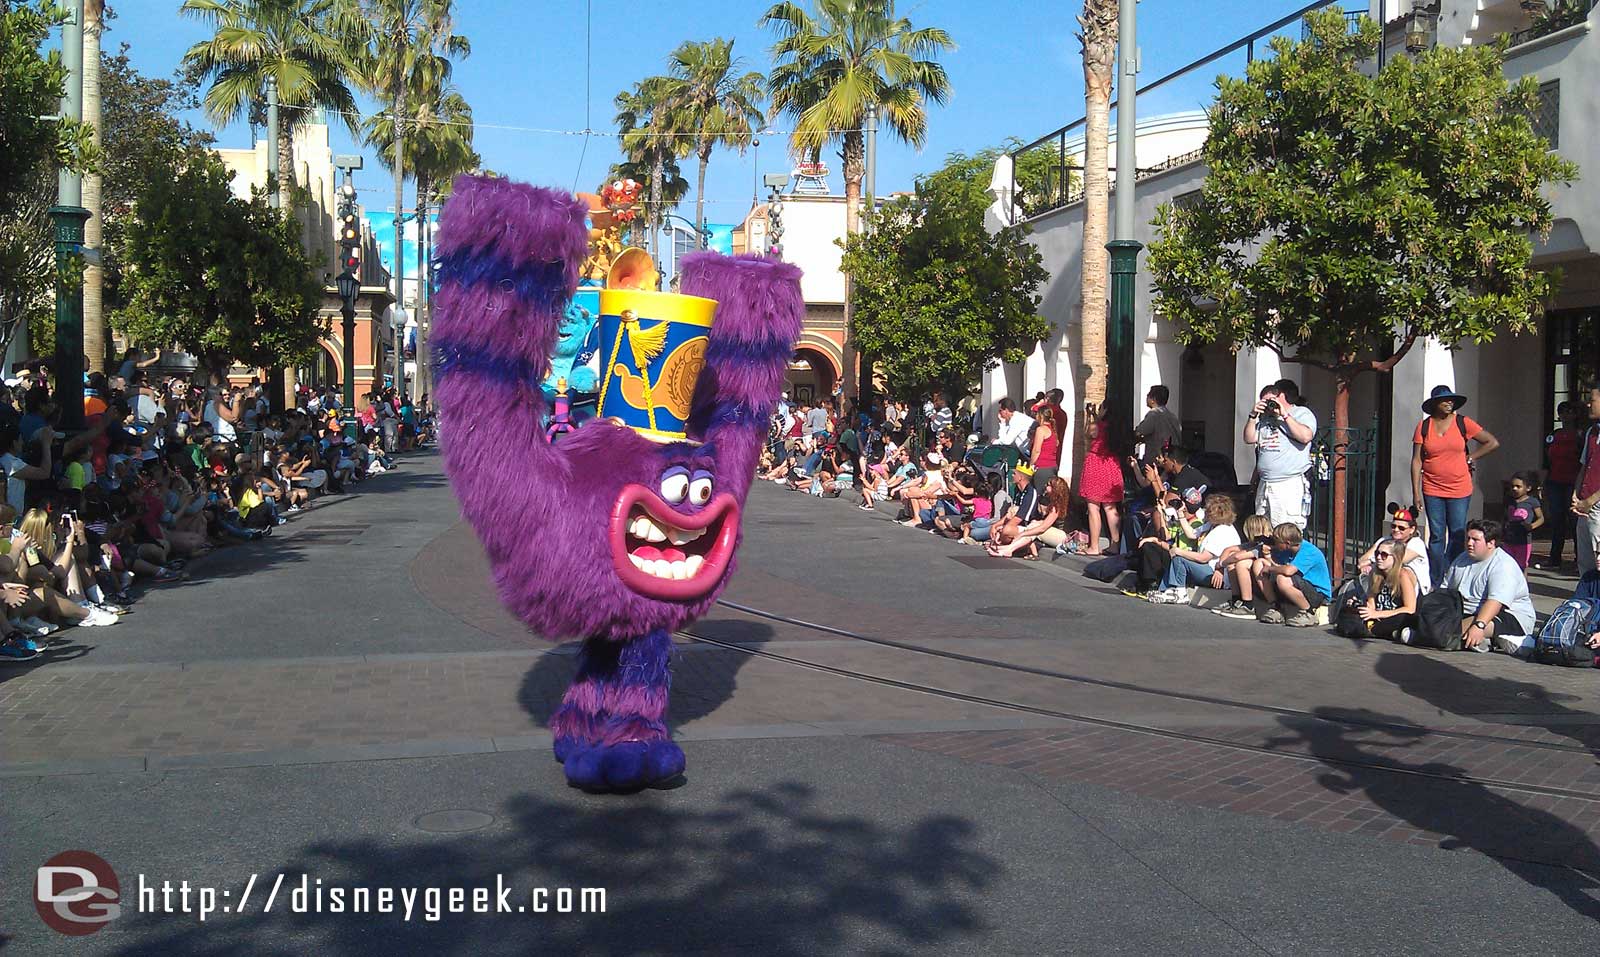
(1107, 569)
(1439, 615)
(1561, 640)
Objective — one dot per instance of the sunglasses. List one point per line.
(1388, 555)
(1399, 526)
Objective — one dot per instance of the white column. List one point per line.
(1072, 402)
(992, 389)
(1033, 371)
(1255, 369)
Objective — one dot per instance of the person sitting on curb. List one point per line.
(1292, 573)
(1391, 604)
(1403, 534)
(1236, 564)
(1053, 502)
(1498, 611)
(1198, 565)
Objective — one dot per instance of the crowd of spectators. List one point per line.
(162, 472)
(1178, 522)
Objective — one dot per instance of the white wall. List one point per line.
(811, 227)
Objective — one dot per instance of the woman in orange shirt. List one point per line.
(1442, 462)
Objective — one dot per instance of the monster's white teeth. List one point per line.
(645, 528)
(683, 536)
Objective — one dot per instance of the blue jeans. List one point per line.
(1184, 572)
(980, 529)
(1450, 516)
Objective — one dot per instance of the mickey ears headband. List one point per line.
(1396, 510)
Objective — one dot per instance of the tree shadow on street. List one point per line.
(770, 871)
(703, 677)
(1536, 846)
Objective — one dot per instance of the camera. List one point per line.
(1269, 411)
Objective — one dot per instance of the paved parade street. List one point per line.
(1072, 772)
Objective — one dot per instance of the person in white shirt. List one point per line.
(1015, 427)
(1494, 592)
(1194, 566)
(1403, 534)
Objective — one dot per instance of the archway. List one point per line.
(812, 374)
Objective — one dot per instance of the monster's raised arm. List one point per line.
(759, 316)
(508, 257)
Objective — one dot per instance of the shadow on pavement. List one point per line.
(703, 678)
(774, 871)
(1534, 845)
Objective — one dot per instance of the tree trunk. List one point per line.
(417, 386)
(1339, 441)
(854, 171)
(94, 323)
(1099, 23)
(285, 165)
(397, 361)
(700, 197)
(653, 217)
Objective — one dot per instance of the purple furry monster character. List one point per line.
(606, 535)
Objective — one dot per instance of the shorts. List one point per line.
(1506, 623)
(1283, 500)
(1309, 590)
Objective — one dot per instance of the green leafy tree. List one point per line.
(1347, 215)
(32, 148)
(222, 278)
(833, 63)
(939, 298)
(714, 104)
(143, 138)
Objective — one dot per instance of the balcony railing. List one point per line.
(1060, 186)
(1566, 13)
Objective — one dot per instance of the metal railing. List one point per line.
(1566, 13)
(1363, 511)
(1059, 190)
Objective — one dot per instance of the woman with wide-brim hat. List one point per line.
(1442, 463)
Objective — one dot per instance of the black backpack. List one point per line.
(1439, 615)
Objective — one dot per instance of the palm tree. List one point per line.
(94, 321)
(830, 67)
(651, 146)
(439, 148)
(405, 45)
(718, 106)
(1099, 40)
(289, 41)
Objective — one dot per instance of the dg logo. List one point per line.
(77, 893)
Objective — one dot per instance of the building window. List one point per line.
(1188, 200)
(1546, 115)
(1572, 344)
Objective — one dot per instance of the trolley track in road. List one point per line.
(1396, 767)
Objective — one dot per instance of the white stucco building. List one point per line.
(1513, 383)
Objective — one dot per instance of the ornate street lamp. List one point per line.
(1422, 30)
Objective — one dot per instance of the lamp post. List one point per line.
(349, 279)
(776, 182)
(68, 217)
(1124, 249)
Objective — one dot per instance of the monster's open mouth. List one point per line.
(665, 554)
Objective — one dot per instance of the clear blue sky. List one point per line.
(1015, 72)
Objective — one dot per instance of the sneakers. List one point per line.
(1269, 616)
(98, 619)
(37, 627)
(1170, 596)
(18, 649)
(1303, 618)
(1404, 636)
(1135, 593)
(167, 574)
(1235, 609)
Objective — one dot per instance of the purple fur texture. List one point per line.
(509, 256)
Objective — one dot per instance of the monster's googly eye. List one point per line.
(700, 489)
(674, 487)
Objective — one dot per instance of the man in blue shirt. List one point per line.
(1295, 577)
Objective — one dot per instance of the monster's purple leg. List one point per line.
(576, 724)
(622, 744)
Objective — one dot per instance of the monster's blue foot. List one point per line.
(627, 766)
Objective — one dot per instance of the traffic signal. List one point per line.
(350, 259)
(349, 228)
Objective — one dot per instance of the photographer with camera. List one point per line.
(1281, 429)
